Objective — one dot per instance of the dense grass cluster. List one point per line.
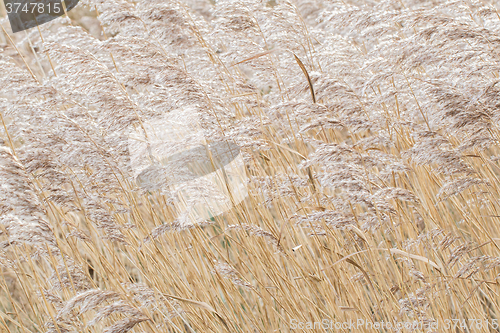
(370, 141)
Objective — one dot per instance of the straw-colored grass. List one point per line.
(369, 133)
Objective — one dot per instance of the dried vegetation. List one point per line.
(369, 132)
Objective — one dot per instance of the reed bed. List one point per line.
(370, 141)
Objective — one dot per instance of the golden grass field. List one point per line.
(369, 141)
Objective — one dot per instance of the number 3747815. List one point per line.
(33, 7)
(468, 324)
